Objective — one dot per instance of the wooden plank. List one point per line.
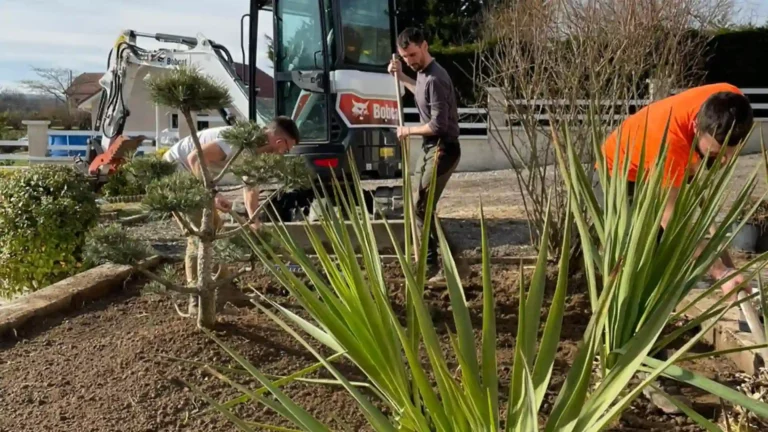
(65, 294)
(725, 334)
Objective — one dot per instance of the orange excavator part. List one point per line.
(115, 154)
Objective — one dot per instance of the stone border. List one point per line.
(726, 333)
(66, 294)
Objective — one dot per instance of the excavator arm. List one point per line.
(128, 62)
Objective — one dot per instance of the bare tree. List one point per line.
(52, 82)
(546, 65)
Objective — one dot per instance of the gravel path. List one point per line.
(458, 209)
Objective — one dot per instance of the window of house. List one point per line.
(202, 125)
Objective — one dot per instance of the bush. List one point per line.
(134, 177)
(5, 174)
(45, 213)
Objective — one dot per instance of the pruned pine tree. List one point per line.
(189, 197)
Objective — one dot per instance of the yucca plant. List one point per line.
(651, 279)
(350, 312)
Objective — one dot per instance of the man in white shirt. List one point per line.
(282, 135)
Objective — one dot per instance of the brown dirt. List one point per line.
(102, 368)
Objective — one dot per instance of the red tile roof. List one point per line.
(263, 81)
(84, 86)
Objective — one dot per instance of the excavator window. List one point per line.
(300, 35)
(301, 47)
(366, 32)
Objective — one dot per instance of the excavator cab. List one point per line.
(329, 61)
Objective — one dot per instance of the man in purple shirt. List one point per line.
(436, 103)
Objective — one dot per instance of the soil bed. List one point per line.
(103, 368)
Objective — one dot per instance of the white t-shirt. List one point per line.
(182, 149)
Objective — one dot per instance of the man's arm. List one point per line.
(395, 67)
(407, 81)
(722, 266)
(438, 105)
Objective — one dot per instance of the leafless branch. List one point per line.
(167, 284)
(53, 82)
(186, 225)
(553, 63)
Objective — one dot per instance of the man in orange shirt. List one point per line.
(701, 118)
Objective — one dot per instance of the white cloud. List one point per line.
(72, 34)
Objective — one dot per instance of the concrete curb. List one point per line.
(725, 334)
(65, 294)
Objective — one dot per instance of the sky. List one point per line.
(69, 34)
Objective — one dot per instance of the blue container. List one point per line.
(57, 140)
(79, 140)
(67, 140)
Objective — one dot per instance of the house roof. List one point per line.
(263, 81)
(84, 86)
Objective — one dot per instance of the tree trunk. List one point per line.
(207, 312)
(206, 315)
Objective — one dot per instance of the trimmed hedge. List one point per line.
(734, 56)
(134, 177)
(738, 57)
(45, 213)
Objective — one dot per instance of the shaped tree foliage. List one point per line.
(189, 197)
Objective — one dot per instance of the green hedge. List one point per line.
(735, 56)
(45, 213)
(134, 177)
(738, 57)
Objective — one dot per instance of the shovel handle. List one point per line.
(405, 152)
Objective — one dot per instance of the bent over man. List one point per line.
(436, 103)
(282, 135)
(701, 118)
(699, 121)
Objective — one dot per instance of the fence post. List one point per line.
(497, 110)
(37, 133)
(496, 125)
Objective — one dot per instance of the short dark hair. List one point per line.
(724, 113)
(286, 125)
(409, 36)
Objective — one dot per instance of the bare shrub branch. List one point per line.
(547, 65)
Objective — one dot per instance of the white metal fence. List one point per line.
(70, 146)
(473, 122)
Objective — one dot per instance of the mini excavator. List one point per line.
(330, 61)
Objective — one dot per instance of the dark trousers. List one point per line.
(443, 158)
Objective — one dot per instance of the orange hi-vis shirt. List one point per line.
(680, 110)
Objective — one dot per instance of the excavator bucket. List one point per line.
(109, 161)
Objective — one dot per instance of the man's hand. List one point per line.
(734, 282)
(403, 132)
(394, 67)
(222, 203)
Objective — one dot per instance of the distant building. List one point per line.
(145, 118)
